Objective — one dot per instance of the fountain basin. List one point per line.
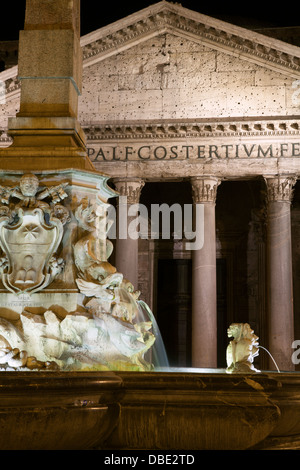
(286, 433)
(208, 410)
(185, 409)
(55, 410)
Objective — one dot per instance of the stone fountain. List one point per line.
(67, 317)
(73, 372)
(63, 305)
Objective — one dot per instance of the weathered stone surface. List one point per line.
(204, 411)
(50, 69)
(216, 411)
(168, 94)
(52, 411)
(145, 71)
(171, 78)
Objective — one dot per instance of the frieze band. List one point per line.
(193, 151)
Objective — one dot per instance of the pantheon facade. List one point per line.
(181, 108)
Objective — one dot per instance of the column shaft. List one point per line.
(126, 250)
(204, 295)
(279, 272)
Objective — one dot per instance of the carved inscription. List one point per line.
(193, 151)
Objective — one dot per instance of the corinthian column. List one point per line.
(126, 250)
(204, 295)
(279, 270)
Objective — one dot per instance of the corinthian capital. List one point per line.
(280, 188)
(204, 188)
(131, 188)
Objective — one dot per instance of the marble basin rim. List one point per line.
(208, 409)
(181, 408)
(56, 410)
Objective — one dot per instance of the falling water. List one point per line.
(159, 355)
(265, 349)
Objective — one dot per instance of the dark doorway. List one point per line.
(174, 309)
(174, 306)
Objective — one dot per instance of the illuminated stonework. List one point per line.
(171, 95)
(242, 349)
(63, 305)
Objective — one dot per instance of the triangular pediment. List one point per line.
(165, 17)
(168, 77)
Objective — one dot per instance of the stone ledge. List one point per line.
(205, 411)
(55, 411)
(208, 411)
(191, 128)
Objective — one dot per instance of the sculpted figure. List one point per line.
(106, 332)
(30, 194)
(125, 302)
(90, 251)
(242, 349)
(13, 358)
(123, 339)
(113, 299)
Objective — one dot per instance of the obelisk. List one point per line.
(46, 132)
(47, 182)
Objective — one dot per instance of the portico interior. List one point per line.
(165, 266)
(240, 266)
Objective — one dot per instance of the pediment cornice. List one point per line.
(167, 17)
(183, 129)
(192, 129)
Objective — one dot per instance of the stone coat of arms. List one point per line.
(30, 233)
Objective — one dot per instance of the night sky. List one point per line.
(96, 13)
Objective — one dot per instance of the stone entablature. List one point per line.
(161, 141)
(227, 149)
(193, 140)
(191, 128)
(195, 150)
(170, 93)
